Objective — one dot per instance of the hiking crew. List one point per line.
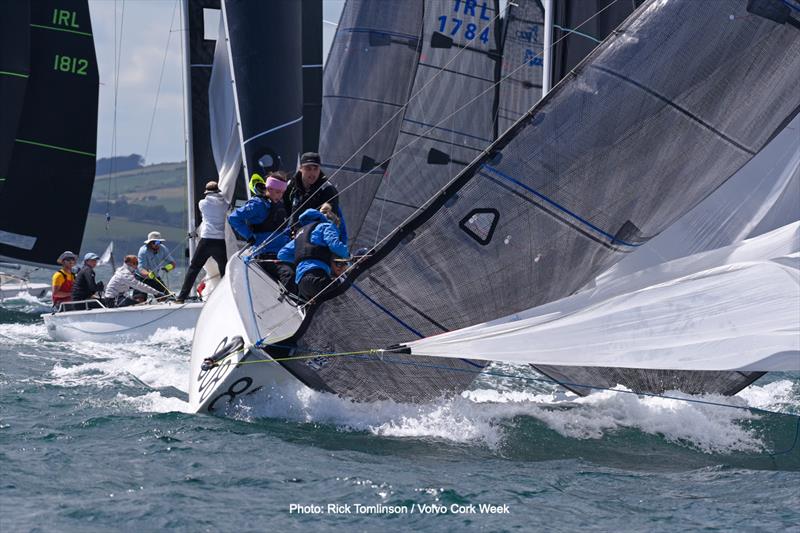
(86, 286)
(64, 279)
(122, 280)
(152, 256)
(262, 221)
(213, 209)
(309, 189)
(314, 248)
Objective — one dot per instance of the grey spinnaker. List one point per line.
(614, 154)
(52, 161)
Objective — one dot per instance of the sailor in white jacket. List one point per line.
(122, 280)
(214, 209)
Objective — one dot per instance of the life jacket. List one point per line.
(66, 286)
(276, 218)
(304, 249)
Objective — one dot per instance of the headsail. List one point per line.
(52, 160)
(607, 160)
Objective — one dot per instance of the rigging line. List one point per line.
(459, 109)
(160, 80)
(272, 130)
(117, 61)
(586, 35)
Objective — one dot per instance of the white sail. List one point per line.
(735, 308)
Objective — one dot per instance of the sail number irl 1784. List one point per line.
(73, 65)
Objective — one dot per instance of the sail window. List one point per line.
(480, 224)
(211, 23)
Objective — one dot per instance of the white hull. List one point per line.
(121, 324)
(246, 304)
(13, 289)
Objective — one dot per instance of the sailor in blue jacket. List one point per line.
(314, 247)
(263, 222)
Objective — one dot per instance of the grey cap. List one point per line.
(65, 255)
(91, 255)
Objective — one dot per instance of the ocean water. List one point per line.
(97, 437)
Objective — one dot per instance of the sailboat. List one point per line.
(60, 153)
(618, 150)
(47, 69)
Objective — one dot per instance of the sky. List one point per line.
(143, 30)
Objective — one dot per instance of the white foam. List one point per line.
(154, 402)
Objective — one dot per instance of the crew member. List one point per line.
(86, 286)
(213, 209)
(309, 189)
(64, 279)
(316, 245)
(263, 222)
(122, 280)
(152, 256)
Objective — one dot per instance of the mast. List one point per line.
(547, 63)
(187, 127)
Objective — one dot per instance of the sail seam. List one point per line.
(382, 308)
(675, 106)
(15, 74)
(360, 99)
(43, 27)
(408, 304)
(446, 129)
(451, 71)
(61, 148)
(272, 130)
(451, 143)
(382, 32)
(560, 207)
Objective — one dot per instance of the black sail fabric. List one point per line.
(523, 61)
(580, 25)
(53, 158)
(367, 81)
(312, 73)
(268, 84)
(655, 119)
(201, 56)
(450, 118)
(14, 72)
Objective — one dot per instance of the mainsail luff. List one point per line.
(517, 227)
(53, 160)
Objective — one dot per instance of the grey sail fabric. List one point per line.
(523, 54)
(458, 67)
(312, 73)
(367, 80)
(653, 121)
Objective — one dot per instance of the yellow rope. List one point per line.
(297, 357)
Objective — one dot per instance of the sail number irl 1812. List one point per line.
(73, 65)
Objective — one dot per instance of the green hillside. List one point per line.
(152, 198)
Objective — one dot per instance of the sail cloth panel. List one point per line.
(367, 80)
(262, 75)
(651, 123)
(53, 158)
(523, 55)
(201, 55)
(458, 67)
(14, 72)
(735, 308)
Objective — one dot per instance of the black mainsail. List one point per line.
(53, 155)
(14, 72)
(614, 154)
